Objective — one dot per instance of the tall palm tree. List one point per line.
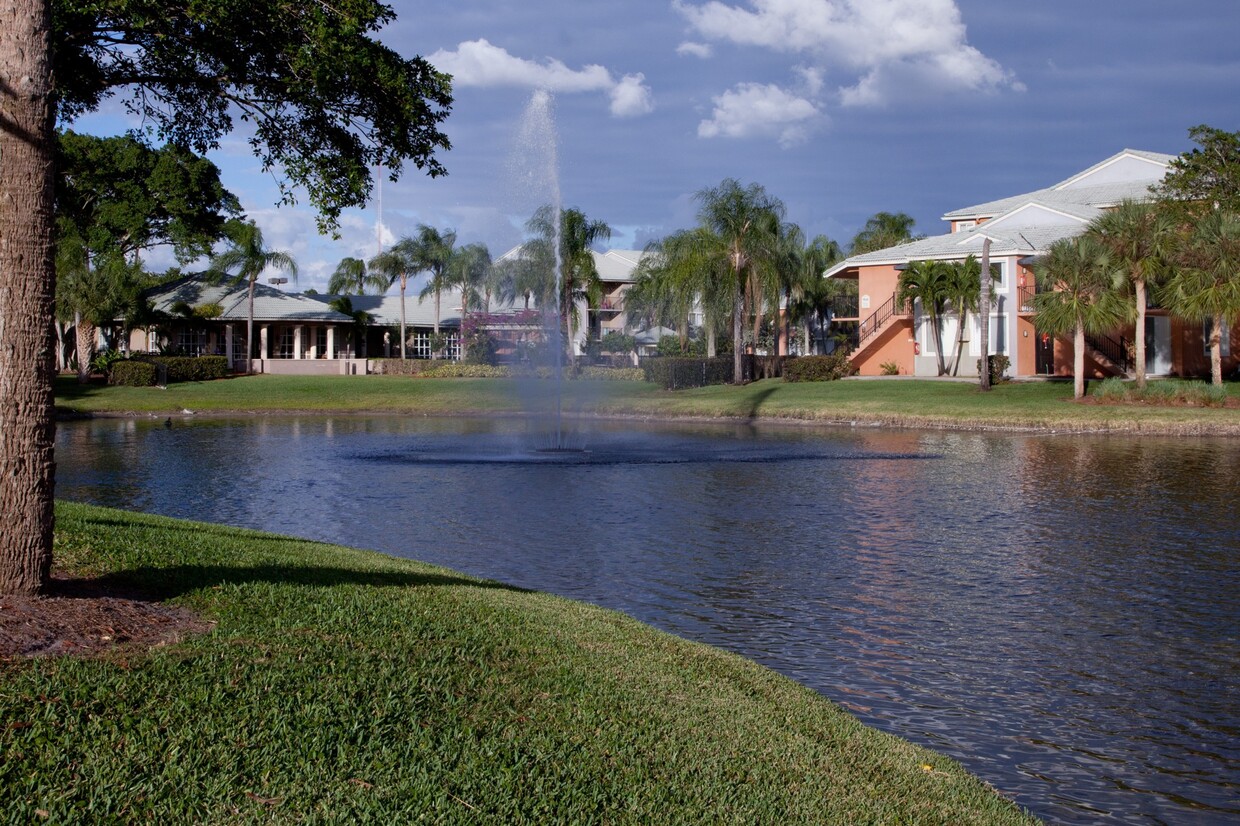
(579, 279)
(431, 251)
(469, 270)
(1140, 238)
(964, 295)
(1206, 285)
(742, 229)
(800, 277)
(249, 257)
(882, 230)
(394, 266)
(1077, 294)
(929, 283)
(361, 322)
(352, 278)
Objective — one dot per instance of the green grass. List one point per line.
(347, 686)
(1037, 405)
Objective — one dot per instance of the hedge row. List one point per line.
(144, 371)
(819, 368)
(132, 373)
(679, 373)
(402, 367)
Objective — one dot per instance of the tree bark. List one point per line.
(84, 340)
(1078, 362)
(983, 312)
(738, 355)
(249, 332)
(402, 318)
(1138, 338)
(1216, 351)
(27, 287)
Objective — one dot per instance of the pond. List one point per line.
(1059, 613)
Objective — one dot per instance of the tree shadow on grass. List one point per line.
(158, 582)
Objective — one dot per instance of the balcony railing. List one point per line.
(877, 320)
(1115, 351)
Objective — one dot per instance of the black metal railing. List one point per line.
(1025, 296)
(844, 306)
(1117, 352)
(878, 319)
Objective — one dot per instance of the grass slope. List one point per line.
(1036, 405)
(347, 686)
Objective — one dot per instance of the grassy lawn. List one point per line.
(903, 402)
(347, 686)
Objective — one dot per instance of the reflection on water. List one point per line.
(1059, 613)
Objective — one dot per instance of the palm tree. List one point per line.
(882, 230)
(928, 282)
(469, 270)
(673, 279)
(351, 278)
(801, 277)
(1206, 286)
(249, 256)
(1140, 238)
(431, 251)
(741, 227)
(964, 295)
(579, 279)
(1077, 294)
(395, 266)
(361, 322)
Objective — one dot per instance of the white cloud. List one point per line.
(631, 97)
(898, 47)
(479, 63)
(761, 110)
(702, 50)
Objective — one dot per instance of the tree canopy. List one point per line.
(322, 98)
(1208, 175)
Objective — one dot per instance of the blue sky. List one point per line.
(840, 108)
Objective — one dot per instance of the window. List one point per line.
(192, 342)
(961, 226)
(1207, 327)
(998, 335)
(284, 344)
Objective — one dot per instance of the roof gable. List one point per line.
(1128, 166)
(1036, 214)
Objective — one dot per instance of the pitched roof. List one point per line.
(1031, 222)
(270, 304)
(386, 308)
(1126, 174)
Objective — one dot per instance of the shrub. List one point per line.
(192, 368)
(132, 373)
(998, 368)
(104, 359)
(890, 368)
(615, 342)
(612, 374)
(460, 370)
(819, 368)
(1177, 393)
(678, 373)
(401, 367)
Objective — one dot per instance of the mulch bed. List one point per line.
(80, 617)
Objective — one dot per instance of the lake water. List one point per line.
(1060, 613)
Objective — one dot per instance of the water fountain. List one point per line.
(535, 171)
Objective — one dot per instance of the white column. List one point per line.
(331, 342)
(262, 342)
(297, 341)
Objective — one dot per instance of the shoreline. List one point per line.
(891, 421)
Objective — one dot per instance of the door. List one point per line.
(1157, 345)
(1044, 359)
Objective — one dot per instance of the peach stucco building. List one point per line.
(1020, 228)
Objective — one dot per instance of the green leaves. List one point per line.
(324, 99)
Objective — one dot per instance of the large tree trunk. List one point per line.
(27, 284)
(738, 355)
(1078, 363)
(84, 338)
(1216, 351)
(936, 330)
(710, 336)
(402, 319)
(249, 332)
(1138, 338)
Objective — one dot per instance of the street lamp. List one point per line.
(277, 281)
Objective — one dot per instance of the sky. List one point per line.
(839, 108)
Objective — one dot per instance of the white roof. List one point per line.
(614, 266)
(1029, 223)
(270, 304)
